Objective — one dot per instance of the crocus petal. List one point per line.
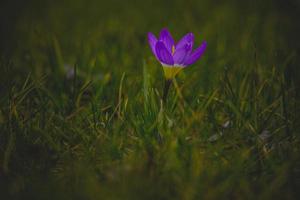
(166, 37)
(152, 42)
(187, 39)
(163, 55)
(181, 54)
(192, 58)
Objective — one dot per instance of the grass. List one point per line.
(81, 111)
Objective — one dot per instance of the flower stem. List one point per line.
(168, 83)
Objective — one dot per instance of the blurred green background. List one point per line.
(80, 110)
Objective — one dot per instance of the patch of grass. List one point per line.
(81, 110)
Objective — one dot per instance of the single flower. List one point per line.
(175, 56)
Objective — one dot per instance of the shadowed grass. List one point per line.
(82, 114)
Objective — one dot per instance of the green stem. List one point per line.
(168, 83)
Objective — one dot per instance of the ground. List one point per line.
(81, 110)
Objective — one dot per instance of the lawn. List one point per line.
(82, 114)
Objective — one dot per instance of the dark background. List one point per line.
(80, 109)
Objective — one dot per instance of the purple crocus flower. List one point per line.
(175, 56)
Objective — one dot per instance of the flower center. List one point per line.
(173, 50)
